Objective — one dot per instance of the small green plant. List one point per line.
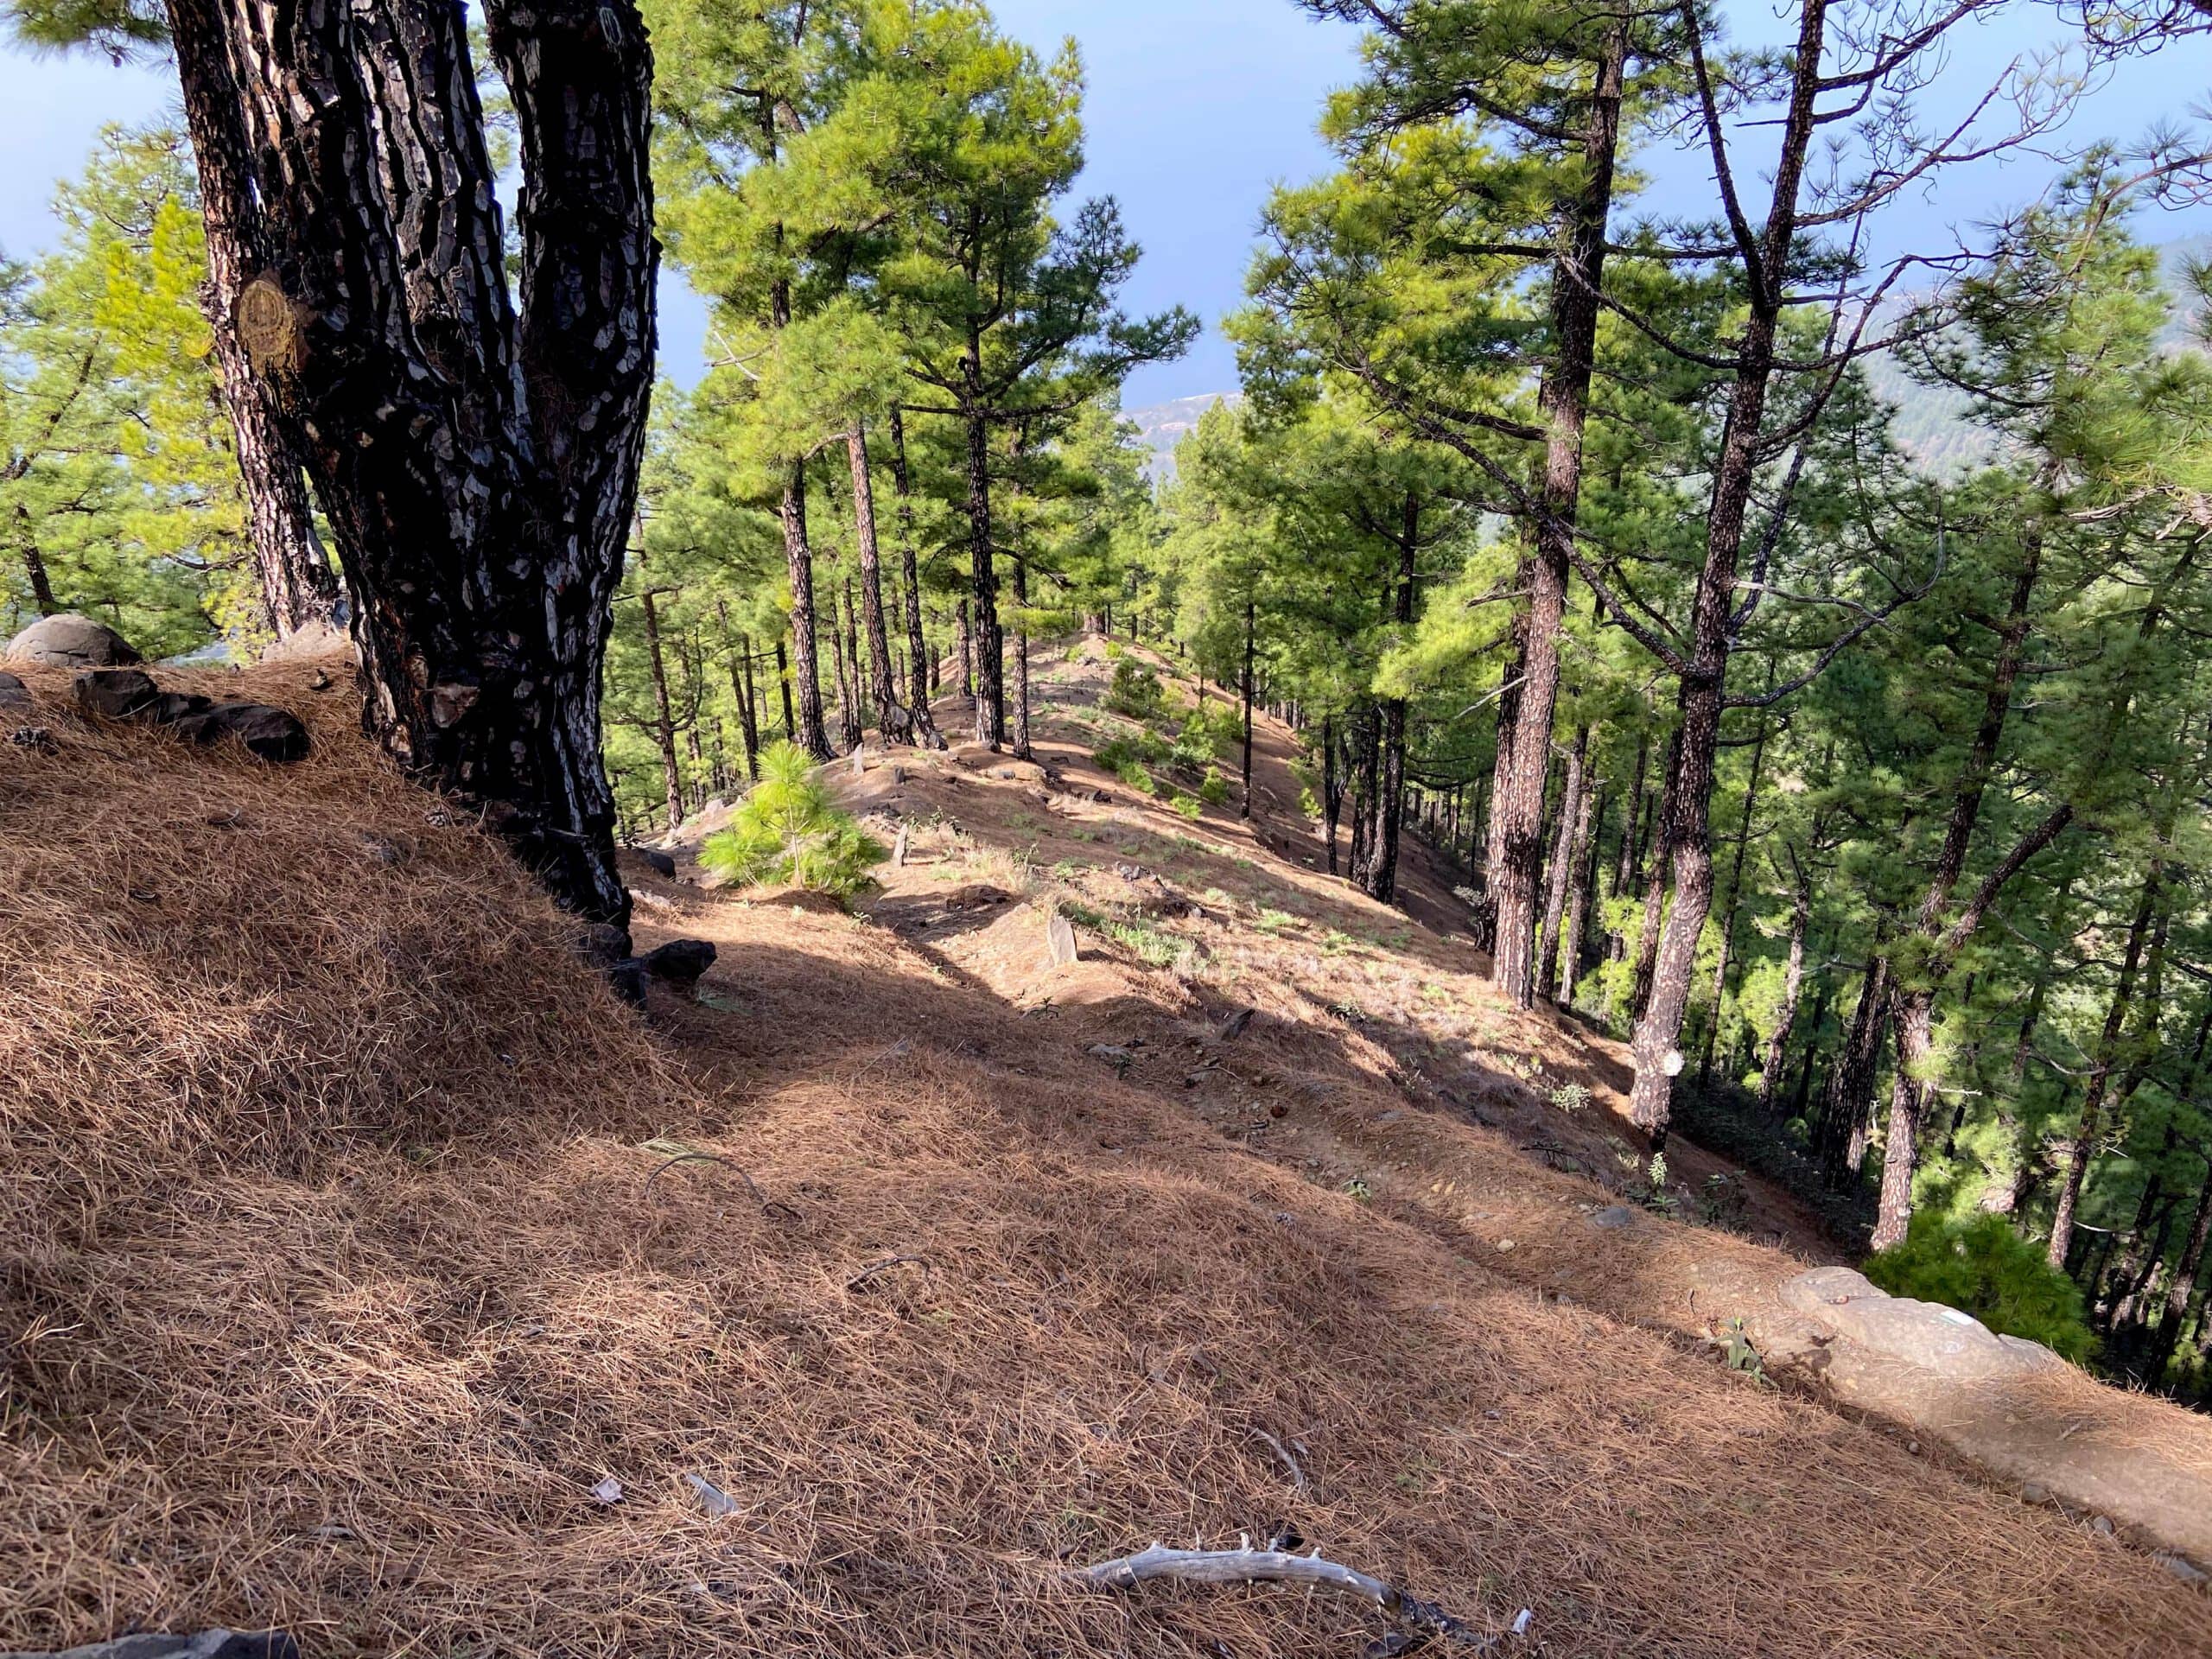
(787, 832)
(1188, 806)
(1738, 1353)
(1983, 1267)
(1655, 1195)
(1356, 1188)
(1570, 1097)
(1214, 791)
(1136, 690)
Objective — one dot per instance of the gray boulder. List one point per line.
(680, 962)
(72, 641)
(207, 1644)
(14, 694)
(118, 693)
(1926, 1335)
(131, 694)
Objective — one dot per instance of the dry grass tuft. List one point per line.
(331, 1284)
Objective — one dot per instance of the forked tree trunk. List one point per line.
(299, 590)
(1524, 733)
(477, 461)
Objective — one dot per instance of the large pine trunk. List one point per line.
(299, 589)
(478, 460)
(1524, 733)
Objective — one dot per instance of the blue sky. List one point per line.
(1196, 108)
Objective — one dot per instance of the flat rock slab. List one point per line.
(206, 1644)
(1926, 1334)
(72, 641)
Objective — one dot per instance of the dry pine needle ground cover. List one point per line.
(342, 1254)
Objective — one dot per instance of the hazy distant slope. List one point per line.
(1160, 427)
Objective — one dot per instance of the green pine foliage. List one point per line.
(787, 832)
(1984, 1268)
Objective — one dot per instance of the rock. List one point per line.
(658, 863)
(2034, 1492)
(14, 694)
(1922, 1334)
(680, 962)
(72, 641)
(2183, 1569)
(1060, 939)
(131, 694)
(116, 693)
(207, 1644)
(1113, 1053)
(899, 848)
(604, 944)
(267, 733)
(608, 1491)
(2101, 1525)
(1236, 1025)
(1612, 1216)
(629, 978)
(37, 738)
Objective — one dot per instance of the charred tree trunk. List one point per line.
(740, 691)
(1524, 730)
(299, 589)
(477, 462)
(1021, 699)
(783, 686)
(1583, 883)
(988, 644)
(892, 717)
(921, 666)
(1388, 803)
(1332, 793)
(849, 714)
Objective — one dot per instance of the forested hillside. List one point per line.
(1316, 956)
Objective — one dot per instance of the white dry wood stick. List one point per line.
(1249, 1566)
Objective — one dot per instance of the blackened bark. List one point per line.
(988, 644)
(479, 464)
(921, 665)
(741, 689)
(1571, 822)
(966, 651)
(1020, 661)
(1851, 1078)
(784, 685)
(1332, 793)
(849, 714)
(892, 717)
(1387, 804)
(299, 589)
(1524, 734)
(806, 656)
(35, 567)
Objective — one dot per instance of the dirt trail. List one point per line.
(353, 1234)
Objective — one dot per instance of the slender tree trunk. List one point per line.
(1851, 1078)
(1388, 803)
(920, 664)
(1333, 794)
(988, 649)
(1628, 870)
(892, 717)
(1248, 634)
(967, 653)
(798, 562)
(741, 691)
(35, 567)
(1524, 733)
(1727, 956)
(478, 460)
(664, 715)
(1655, 887)
(848, 713)
(1793, 984)
(1021, 699)
(299, 589)
(1583, 884)
(2083, 1148)
(1572, 821)
(784, 685)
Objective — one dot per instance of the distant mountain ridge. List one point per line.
(1930, 424)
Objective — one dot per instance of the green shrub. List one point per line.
(1144, 750)
(1215, 790)
(1188, 805)
(1983, 1267)
(1136, 690)
(786, 832)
